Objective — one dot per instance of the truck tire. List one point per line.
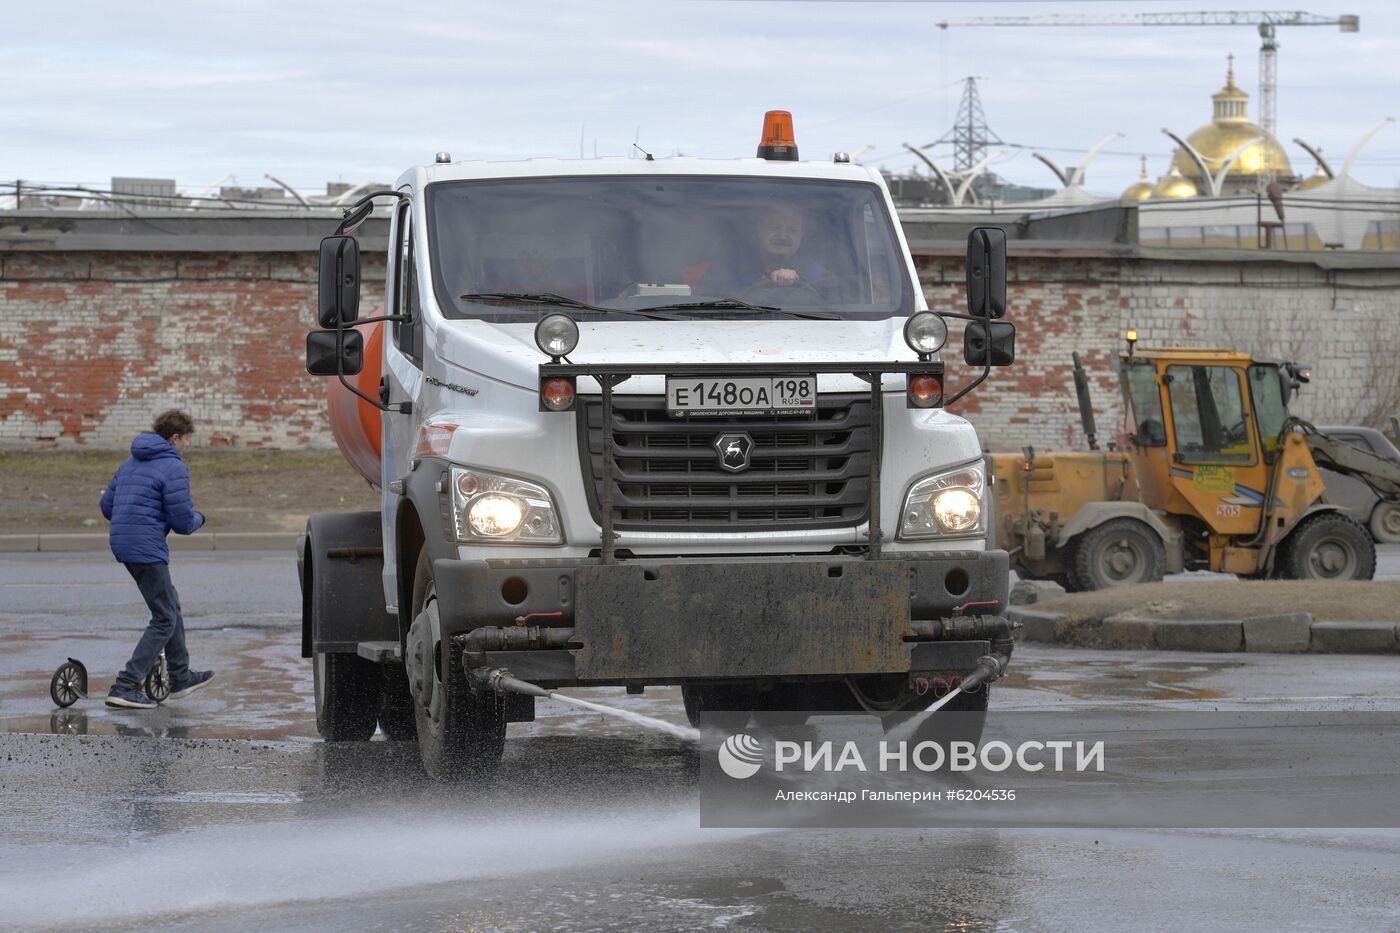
(1119, 552)
(726, 706)
(1385, 522)
(1327, 546)
(397, 720)
(348, 691)
(461, 730)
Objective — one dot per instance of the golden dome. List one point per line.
(1174, 185)
(1141, 189)
(1316, 180)
(1228, 130)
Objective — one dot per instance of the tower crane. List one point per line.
(1266, 21)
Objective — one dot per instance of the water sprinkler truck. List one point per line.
(645, 422)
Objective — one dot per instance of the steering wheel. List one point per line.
(778, 293)
(1234, 435)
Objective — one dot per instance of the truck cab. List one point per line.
(649, 422)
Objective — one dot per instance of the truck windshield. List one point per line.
(629, 243)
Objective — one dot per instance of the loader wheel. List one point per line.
(461, 729)
(348, 693)
(1120, 552)
(1385, 522)
(1327, 546)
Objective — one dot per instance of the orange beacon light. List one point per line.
(777, 142)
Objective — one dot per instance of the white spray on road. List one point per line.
(684, 733)
(907, 728)
(356, 855)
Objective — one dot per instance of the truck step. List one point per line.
(379, 651)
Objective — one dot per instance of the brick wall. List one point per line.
(94, 343)
(1346, 322)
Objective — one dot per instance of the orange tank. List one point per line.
(355, 423)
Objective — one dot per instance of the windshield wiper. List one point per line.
(738, 304)
(558, 301)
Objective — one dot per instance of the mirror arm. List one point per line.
(357, 213)
(402, 407)
(391, 318)
(986, 371)
(961, 317)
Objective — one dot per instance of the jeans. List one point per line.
(166, 630)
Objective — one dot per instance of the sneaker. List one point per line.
(121, 698)
(194, 680)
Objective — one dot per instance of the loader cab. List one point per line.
(1203, 427)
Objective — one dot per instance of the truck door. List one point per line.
(403, 358)
(1215, 461)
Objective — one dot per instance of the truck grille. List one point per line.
(803, 473)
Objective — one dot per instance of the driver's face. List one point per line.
(780, 232)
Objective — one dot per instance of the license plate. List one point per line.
(698, 397)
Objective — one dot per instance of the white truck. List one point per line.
(648, 422)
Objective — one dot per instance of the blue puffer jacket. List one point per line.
(147, 499)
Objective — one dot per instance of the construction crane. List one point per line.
(1266, 21)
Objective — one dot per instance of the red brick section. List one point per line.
(1058, 306)
(92, 345)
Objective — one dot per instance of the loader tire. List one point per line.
(1385, 522)
(1327, 546)
(1119, 552)
(349, 690)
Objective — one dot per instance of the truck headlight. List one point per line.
(491, 507)
(944, 504)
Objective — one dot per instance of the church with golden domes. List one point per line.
(1229, 184)
(1229, 153)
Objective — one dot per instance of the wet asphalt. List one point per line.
(226, 812)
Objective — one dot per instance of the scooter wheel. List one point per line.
(157, 684)
(69, 683)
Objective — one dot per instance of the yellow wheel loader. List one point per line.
(1211, 473)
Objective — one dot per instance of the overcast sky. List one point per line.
(356, 91)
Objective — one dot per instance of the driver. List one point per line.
(779, 238)
(776, 262)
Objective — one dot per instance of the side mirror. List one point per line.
(339, 292)
(331, 352)
(989, 343)
(986, 272)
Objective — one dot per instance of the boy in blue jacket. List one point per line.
(147, 499)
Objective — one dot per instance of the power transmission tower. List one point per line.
(970, 134)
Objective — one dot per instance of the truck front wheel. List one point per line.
(349, 691)
(461, 729)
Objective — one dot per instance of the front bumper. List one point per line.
(655, 621)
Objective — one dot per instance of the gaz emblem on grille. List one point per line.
(734, 451)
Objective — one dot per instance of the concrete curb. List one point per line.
(1291, 633)
(97, 541)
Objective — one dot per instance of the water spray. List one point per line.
(989, 667)
(501, 680)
